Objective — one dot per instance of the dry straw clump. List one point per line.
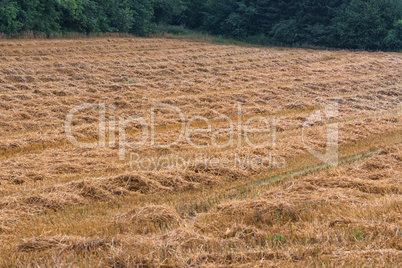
(257, 211)
(62, 243)
(148, 219)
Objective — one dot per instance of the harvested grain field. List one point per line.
(125, 152)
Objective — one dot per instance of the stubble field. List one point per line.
(212, 198)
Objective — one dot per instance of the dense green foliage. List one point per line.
(50, 16)
(366, 24)
(361, 24)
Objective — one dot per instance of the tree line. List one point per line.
(357, 24)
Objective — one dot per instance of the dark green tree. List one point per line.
(82, 16)
(394, 37)
(8, 17)
(142, 15)
(166, 10)
(193, 15)
(218, 14)
(365, 24)
(40, 15)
